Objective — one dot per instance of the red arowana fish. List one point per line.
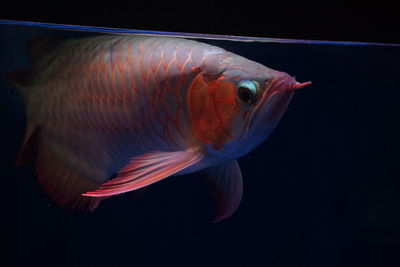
(112, 114)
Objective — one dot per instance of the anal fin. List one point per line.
(63, 184)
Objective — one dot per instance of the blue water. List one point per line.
(323, 190)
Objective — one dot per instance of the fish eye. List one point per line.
(247, 91)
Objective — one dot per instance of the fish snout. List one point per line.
(285, 82)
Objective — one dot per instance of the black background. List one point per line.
(328, 193)
(369, 21)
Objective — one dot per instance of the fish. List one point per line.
(111, 114)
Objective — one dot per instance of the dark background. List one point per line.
(323, 190)
(369, 21)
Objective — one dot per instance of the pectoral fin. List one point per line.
(147, 169)
(227, 185)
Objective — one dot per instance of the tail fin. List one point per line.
(21, 79)
(59, 180)
(38, 50)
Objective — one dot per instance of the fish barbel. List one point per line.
(112, 114)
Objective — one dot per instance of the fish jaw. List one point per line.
(270, 110)
(281, 84)
(277, 96)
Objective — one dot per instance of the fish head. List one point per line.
(235, 105)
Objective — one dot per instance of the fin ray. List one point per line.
(28, 150)
(226, 182)
(147, 169)
(63, 184)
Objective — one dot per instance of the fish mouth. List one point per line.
(274, 103)
(284, 83)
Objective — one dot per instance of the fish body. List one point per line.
(111, 114)
(105, 100)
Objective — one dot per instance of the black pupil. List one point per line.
(245, 95)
